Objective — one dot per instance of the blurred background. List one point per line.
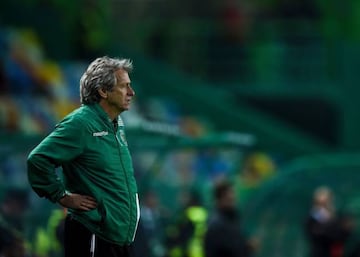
(261, 93)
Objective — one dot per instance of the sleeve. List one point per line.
(63, 145)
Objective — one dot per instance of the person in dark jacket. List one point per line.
(13, 207)
(327, 230)
(224, 236)
(98, 187)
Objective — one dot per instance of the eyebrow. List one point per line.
(124, 83)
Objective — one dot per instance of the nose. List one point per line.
(131, 91)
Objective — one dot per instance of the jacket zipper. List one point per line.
(126, 178)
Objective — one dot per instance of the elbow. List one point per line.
(33, 163)
(30, 164)
(31, 160)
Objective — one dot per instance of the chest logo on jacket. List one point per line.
(100, 134)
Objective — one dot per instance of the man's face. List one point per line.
(324, 199)
(120, 96)
(228, 200)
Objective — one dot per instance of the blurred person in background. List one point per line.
(98, 186)
(184, 238)
(49, 240)
(13, 207)
(11, 243)
(224, 236)
(12, 210)
(327, 230)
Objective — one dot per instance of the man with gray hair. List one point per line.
(327, 229)
(98, 186)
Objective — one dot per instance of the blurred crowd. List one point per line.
(192, 229)
(245, 42)
(221, 41)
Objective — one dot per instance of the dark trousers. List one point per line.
(78, 243)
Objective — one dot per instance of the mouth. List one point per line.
(128, 101)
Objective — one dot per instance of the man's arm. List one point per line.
(62, 145)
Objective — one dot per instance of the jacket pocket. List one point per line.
(97, 215)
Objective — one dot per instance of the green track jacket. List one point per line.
(95, 160)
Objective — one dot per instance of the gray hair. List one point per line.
(101, 74)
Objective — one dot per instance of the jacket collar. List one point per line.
(102, 114)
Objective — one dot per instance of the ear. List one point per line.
(102, 92)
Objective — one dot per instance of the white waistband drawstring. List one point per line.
(92, 246)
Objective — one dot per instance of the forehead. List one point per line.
(122, 76)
